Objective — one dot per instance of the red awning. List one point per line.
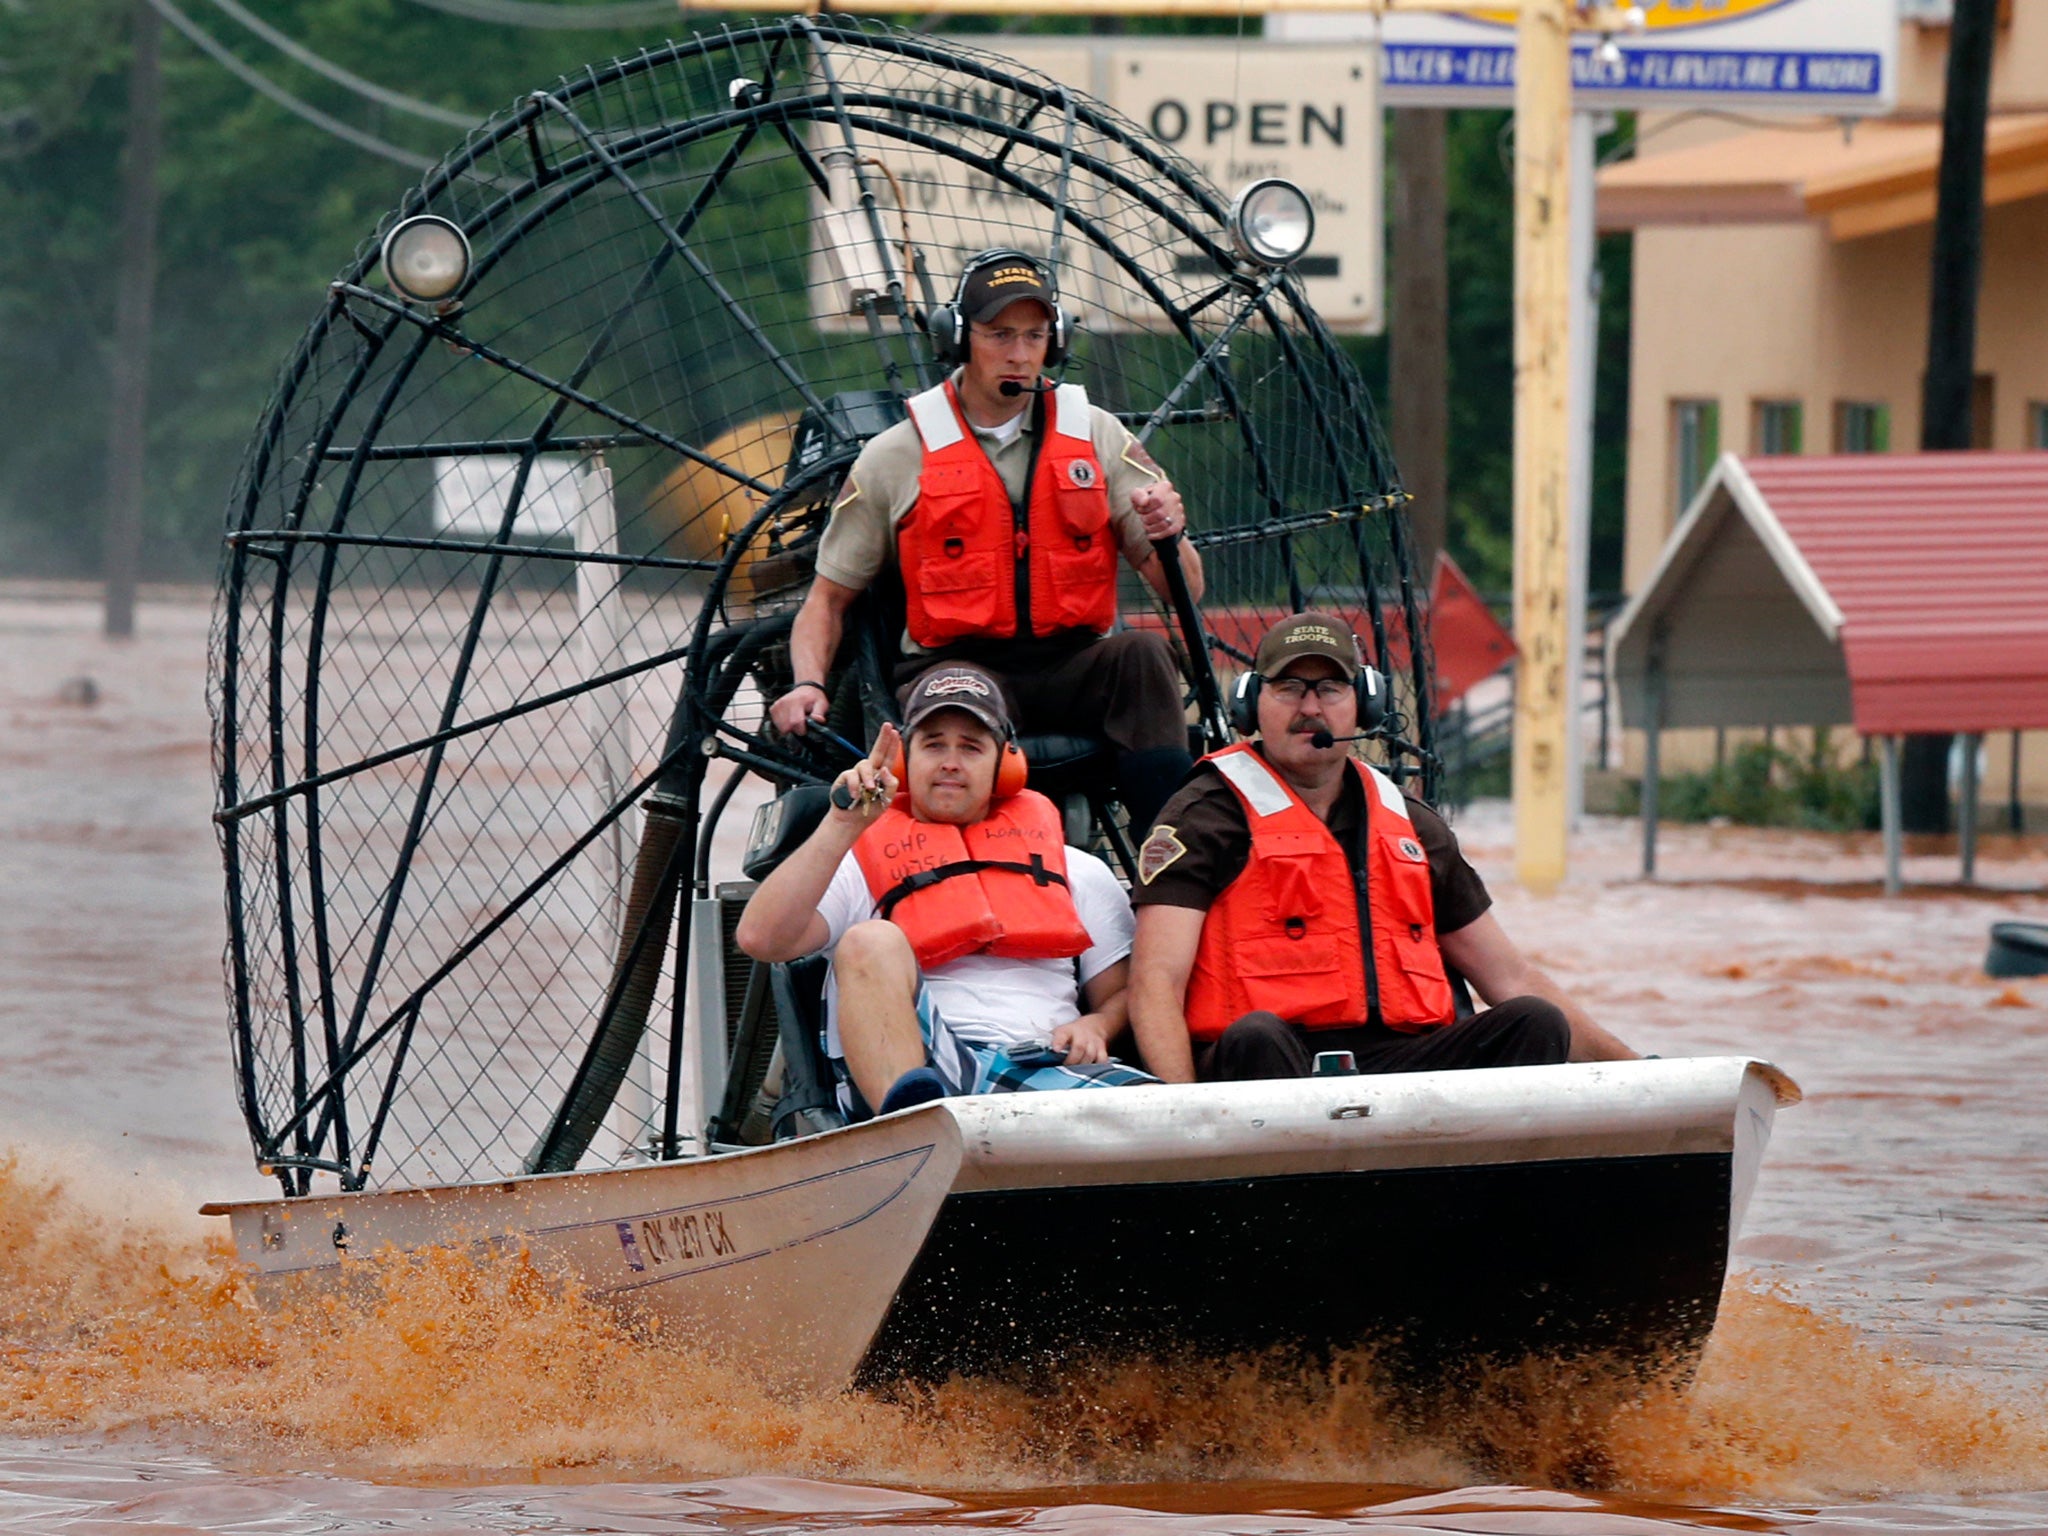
(1929, 571)
(1939, 565)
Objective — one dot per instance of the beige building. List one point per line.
(1781, 298)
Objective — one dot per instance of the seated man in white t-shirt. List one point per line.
(966, 936)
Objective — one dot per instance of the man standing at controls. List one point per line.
(972, 950)
(1292, 900)
(1004, 502)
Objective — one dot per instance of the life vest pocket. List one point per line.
(1291, 888)
(1309, 971)
(1416, 948)
(1083, 508)
(1078, 569)
(947, 483)
(956, 591)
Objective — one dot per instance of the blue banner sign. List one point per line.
(1765, 73)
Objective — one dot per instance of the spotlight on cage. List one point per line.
(426, 258)
(1272, 222)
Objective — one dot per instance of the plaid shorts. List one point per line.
(969, 1068)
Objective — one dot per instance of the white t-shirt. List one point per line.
(989, 999)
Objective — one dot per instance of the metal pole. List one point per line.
(1966, 831)
(1888, 802)
(1955, 274)
(1543, 713)
(1653, 760)
(1584, 352)
(2015, 817)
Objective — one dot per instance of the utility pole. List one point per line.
(128, 415)
(1955, 275)
(1419, 350)
(1543, 713)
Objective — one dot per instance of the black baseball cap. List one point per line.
(995, 285)
(956, 685)
(1303, 636)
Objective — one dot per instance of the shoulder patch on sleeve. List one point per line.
(851, 493)
(1134, 454)
(1158, 855)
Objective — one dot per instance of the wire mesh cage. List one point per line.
(508, 574)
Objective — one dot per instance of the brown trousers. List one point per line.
(1520, 1032)
(1123, 688)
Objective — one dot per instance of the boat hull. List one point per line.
(786, 1257)
(1439, 1216)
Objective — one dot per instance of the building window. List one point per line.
(1774, 426)
(1695, 444)
(1862, 426)
(2037, 424)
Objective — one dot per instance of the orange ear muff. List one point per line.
(1012, 771)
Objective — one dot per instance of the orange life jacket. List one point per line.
(971, 560)
(1284, 936)
(997, 886)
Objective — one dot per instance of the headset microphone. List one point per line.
(1010, 388)
(1321, 739)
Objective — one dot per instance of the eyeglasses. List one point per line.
(1009, 337)
(1292, 690)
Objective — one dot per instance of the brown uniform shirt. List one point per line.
(1201, 841)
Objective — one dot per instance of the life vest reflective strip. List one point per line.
(997, 887)
(1284, 936)
(962, 552)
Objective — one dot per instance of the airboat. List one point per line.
(509, 577)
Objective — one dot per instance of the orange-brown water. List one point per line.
(452, 1366)
(1881, 1362)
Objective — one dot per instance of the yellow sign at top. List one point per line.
(1671, 15)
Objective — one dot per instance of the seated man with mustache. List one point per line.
(1292, 900)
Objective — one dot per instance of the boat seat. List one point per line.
(1078, 773)
(809, 1102)
(1059, 758)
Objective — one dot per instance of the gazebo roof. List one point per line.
(1903, 592)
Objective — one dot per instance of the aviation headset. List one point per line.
(1367, 686)
(947, 325)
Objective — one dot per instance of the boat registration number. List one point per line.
(676, 1237)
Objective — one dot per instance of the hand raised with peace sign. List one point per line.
(864, 791)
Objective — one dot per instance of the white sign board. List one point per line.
(470, 494)
(1838, 57)
(1310, 115)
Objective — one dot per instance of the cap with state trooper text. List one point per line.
(1303, 636)
(995, 287)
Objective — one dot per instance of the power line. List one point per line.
(256, 80)
(536, 13)
(366, 88)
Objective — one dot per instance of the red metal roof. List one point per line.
(1938, 563)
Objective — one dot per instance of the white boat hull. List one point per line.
(1522, 1209)
(787, 1256)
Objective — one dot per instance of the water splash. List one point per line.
(458, 1364)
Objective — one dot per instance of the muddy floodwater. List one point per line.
(1881, 1363)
